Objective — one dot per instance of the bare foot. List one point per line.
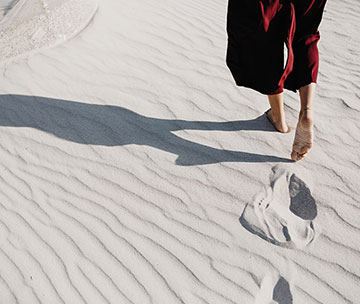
(279, 125)
(303, 136)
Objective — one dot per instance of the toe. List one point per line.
(295, 156)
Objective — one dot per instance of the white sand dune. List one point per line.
(128, 157)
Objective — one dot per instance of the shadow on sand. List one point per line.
(116, 126)
(282, 294)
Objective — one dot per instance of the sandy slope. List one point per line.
(129, 159)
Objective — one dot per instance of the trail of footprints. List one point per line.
(283, 215)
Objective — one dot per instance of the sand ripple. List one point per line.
(128, 157)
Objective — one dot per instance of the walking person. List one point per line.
(257, 31)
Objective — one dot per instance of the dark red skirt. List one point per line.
(257, 32)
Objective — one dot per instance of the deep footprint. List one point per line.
(282, 293)
(283, 214)
(274, 290)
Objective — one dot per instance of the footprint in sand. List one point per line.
(283, 214)
(274, 290)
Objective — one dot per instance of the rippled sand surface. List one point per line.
(133, 170)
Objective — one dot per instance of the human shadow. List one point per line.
(106, 125)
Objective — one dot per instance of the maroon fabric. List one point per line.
(257, 31)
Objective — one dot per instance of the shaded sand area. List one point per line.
(133, 170)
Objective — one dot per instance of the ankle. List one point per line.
(306, 117)
(278, 117)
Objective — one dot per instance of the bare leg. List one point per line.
(277, 113)
(304, 130)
